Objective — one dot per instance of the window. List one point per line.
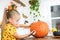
(55, 16)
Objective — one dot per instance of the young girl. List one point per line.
(9, 25)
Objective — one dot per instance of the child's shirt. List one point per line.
(8, 32)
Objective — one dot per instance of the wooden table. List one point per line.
(46, 38)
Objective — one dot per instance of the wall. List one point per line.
(46, 7)
(44, 10)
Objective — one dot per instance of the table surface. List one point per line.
(46, 38)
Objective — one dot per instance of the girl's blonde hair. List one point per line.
(8, 14)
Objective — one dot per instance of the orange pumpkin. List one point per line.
(41, 29)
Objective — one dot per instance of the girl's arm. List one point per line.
(23, 36)
(24, 25)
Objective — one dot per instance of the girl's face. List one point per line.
(15, 20)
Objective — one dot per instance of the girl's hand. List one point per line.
(33, 32)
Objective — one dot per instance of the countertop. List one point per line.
(46, 38)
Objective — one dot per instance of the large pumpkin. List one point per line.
(41, 29)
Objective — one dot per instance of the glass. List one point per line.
(55, 11)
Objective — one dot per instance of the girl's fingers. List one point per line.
(34, 33)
